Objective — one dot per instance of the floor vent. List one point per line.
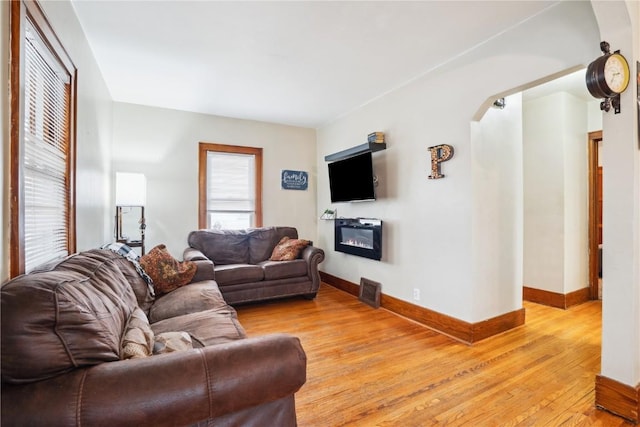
(370, 292)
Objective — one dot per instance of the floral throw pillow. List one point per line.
(167, 273)
(288, 249)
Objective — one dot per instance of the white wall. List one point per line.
(594, 116)
(163, 144)
(544, 194)
(619, 24)
(497, 212)
(93, 130)
(429, 225)
(426, 223)
(556, 187)
(576, 200)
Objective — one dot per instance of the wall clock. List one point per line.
(607, 77)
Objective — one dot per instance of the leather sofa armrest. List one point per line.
(205, 267)
(192, 254)
(204, 271)
(313, 256)
(179, 388)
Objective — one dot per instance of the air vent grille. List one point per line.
(370, 292)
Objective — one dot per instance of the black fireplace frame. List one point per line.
(374, 225)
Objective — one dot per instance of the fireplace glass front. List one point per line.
(359, 236)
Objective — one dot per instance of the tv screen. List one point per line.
(352, 179)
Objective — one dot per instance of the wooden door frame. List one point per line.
(594, 139)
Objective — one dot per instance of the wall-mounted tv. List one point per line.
(352, 179)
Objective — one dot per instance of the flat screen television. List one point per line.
(352, 179)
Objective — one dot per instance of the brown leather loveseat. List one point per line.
(66, 331)
(243, 267)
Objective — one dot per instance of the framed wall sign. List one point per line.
(294, 180)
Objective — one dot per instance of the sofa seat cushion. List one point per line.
(274, 270)
(187, 299)
(168, 342)
(238, 273)
(206, 328)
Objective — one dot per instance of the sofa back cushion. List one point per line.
(222, 246)
(142, 290)
(248, 246)
(129, 263)
(263, 240)
(71, 316)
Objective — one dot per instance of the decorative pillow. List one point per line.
(167, 342)
(138, 337)
(288, 249)
(166, 272)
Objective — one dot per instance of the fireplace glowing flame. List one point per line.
(357, 243)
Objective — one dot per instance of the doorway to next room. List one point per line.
(595, 214)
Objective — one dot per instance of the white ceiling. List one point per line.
(290, 62)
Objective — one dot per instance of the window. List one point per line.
(230, 186)
(42, 141)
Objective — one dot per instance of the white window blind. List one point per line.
(230, 194)
(47, 106)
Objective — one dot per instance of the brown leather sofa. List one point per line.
(242, 267)
(66, 328)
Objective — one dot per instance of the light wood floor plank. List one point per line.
(369, 367)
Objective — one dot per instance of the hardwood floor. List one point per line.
(369, 367)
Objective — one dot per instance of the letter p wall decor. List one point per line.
(439, 154)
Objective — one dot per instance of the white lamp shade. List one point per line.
(131, 189)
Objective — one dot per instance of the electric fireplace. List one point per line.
(359, 236)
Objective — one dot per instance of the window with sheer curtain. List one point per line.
(230, 186)
(42, 145)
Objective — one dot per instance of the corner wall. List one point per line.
(555, 196)
(497, 213)
(619, 24)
